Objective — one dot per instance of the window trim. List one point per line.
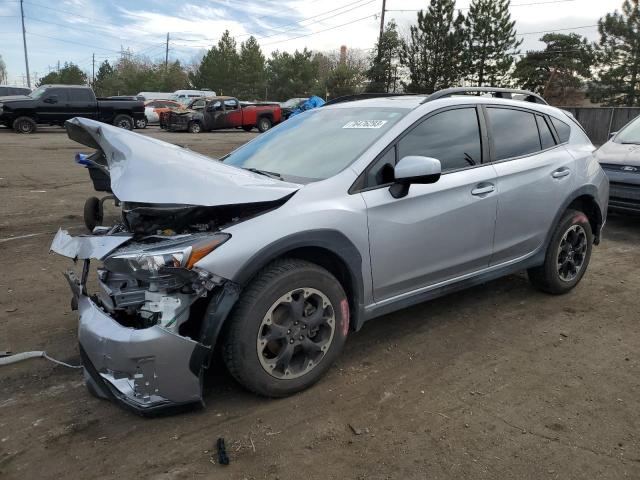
(358, 185)
(557, 134)
(527, 110)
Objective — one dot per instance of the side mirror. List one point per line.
(51, 99)
(612, 134)
(414, 169)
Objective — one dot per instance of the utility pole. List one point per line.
(166, 54)
(93, 70)
(384, 8)
(24, 41)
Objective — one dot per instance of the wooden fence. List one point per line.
(599, 122)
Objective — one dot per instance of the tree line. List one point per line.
(443, 48)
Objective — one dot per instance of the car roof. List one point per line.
(61, 85)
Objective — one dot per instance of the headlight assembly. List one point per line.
(152, 263)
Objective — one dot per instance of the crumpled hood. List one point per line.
(147, 170)
(619, 154)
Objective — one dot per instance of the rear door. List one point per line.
(439, 231)
(233, 114)
(81, 102)
(535, 176)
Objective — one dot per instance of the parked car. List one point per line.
(214, 113)
(185, 96)
(620, 159)
(6, 91)
(290, 105)
(154, 108)
(309, 104)
(339, 215)
(54, 104)
(154, 95)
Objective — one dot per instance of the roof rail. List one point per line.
(499, 93)
(363, 96)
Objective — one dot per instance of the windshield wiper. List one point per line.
(265, 173)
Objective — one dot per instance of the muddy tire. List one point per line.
(195, 127)
(567, 256)
(24, 125)
(93, 213)
(286, 330)
(247, 128)
(123, 121)
(264, 124)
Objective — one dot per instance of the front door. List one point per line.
(53, 106)
(535, 176)
(214, 115)
(439, 231)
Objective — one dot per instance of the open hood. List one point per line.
(147, 170)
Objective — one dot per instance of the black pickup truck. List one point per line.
(54, 104)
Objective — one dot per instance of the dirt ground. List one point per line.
(497, 382)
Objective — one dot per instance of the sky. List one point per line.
(74, 30)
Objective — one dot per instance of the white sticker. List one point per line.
(365, 124)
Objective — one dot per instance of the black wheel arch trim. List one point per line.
(331, 240)
(586, 190)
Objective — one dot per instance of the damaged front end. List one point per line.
(148, 332)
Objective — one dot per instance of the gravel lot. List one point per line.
(499, 381)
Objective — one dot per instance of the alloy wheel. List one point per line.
(296, 333)
(571, 253)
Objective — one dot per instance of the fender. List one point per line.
(331, 240)
(589, 190)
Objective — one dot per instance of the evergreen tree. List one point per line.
(385, 57)
(104, 80)
(618, 57)
(291, 75)
(432, 51)
(490, 42)
(559, 71)
(219, 67)
(69, 74)
(251, 75)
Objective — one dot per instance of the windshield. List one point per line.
(38, 92)
(317, 144)
(630, 133)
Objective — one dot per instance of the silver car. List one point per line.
(620, 159)
(342, 214)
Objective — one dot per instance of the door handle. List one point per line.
(483, 189)
(562, 172)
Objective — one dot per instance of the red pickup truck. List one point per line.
(214, 113)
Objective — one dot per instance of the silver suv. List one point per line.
(273, 254)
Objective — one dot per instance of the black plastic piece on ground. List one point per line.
(223, 459)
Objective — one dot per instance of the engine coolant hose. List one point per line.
(19, 357)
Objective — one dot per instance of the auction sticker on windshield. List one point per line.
(365, 124)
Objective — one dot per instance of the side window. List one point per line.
(515, 133)
(452, 136)
(80, 95)
(230, 104)
(381, 172)
(546, 137)
(58, 93)
(564, 130)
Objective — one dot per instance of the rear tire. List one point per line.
(264, 124)
(287, 328)
(123, 121)
(92, 213)
(24, 125)
(195, 127)
(567, 256)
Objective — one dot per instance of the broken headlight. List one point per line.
(150, 263)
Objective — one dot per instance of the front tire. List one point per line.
(264, 124)
(195, 127)
(567, 256)
(123, 121)
(287, 328)
(24, 125)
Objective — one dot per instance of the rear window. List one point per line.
(515, 133)
(563, 130)
(546, 137)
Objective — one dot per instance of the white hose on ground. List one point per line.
(19, 357)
